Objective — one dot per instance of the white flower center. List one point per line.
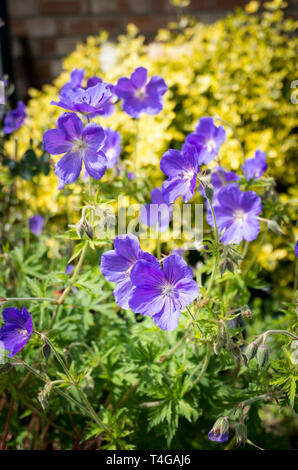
(210, 144)
(167, 289)
(240, 215)
(79, 145)
(188, 175)
(140, 93)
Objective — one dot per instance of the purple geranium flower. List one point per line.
(217, 436)
(17, 330)
(14, 118)
(112, 147)
(237, 212)
(182, 169)
(79, 144)
(94, 99)
(36, 224)
(296, 249)
(131, 175)
(116, 265)
(138, 95)
(219, 178)
(207, 139)
(162, 294)
(69, 269)
(159, 211)
(253, 168)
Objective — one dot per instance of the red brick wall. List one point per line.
(43, 31)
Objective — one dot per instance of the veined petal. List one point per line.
(145, 300)
(94, 136)
(54, 142)
(96, 163)
(113, 267)
(71, 125)
(123, 292)
(69, 167)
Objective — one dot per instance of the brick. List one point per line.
(103, 6)
(229, 4)
(91, 25)
(41, 27)
(140, 6)
(49, 7)
(18, 27)
(149, 24)
(203, 4)
(22, 7)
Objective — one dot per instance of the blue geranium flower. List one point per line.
(116, 265)
(216, 436)
(236, 213)
(80, 144)
(14, 118)
(182, 169)
(94, 99)
(253, 168)
(207, 139)
(158, 212)
(17, 330)
(36, 224)
(140, 96)
(162, 293)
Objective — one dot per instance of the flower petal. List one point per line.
(69, 167)
(71, 125)
(54, 142)
(113, 267)
(94, 136)
(96, 163)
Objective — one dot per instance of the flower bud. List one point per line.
(221, 425)
(44, 395)
(89, 231)
(241, 433)
(262, 355)
(272, 225)
(46, 351)
(251, 350)
(209, 192)
(80, 228)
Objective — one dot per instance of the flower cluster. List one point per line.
(90, 144)
(236, 211)
(146, 288)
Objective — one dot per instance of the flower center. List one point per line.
(167, 289)
(240, 215)
(210, 144)
(79, 145)
(188, 175)
(140, 93)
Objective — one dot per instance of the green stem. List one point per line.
(158, 245)
(136, 145)
(74, 276)
(24, 299)
(203, 369)
(215, 263)
(72, 380)
(280, 332)
(256, 252)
